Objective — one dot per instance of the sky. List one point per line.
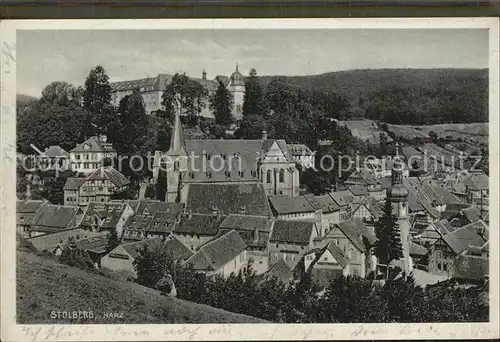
(44, 56)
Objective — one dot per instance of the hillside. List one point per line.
(404, 96)
(44, 286)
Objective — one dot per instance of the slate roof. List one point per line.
(445, 196)
(462, 238)
(162, 222)
(477, 182)
(29, 206)
(133, 248)
(336, 252)
(358, 190)
(292, 232)
(55, 217)
(280, 270)
(138, 222)
(109, 212)
(228, 199)
(372, 205)
(55, 151)
(73, 183)
(215, 254)
(199, 224)
(355, 230)
(178, 250)
(109, 173)
(155, 206)
(471, 267)
(327, 203)
(150, 84)
(95, 145)
(342, 198)
(284, 205)
(472, 213)
(96, 244)
(416, 249)
(247, 222)
(52, 240)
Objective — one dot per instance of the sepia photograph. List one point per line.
(244, 174)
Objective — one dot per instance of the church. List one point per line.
(152, 89)
(265, 162)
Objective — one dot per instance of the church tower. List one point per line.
(237, 89)
(176, 158)
(398, 195)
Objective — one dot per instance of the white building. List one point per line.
(89, 156)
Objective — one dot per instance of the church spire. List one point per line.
(236, 66)
(177, 146)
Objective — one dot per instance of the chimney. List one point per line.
(264, 135)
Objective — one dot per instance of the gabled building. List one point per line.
(121, 259)
(292, 208)
(327, 212)
(55, 242)
(106, 217)
(135, 228)
(96, 187)
(345, 201)
(161, 225)
(326, 264)
(90, 155)
(367, 210)
(290, 240)
(434, 232)
(443, 252)
(194, 230)
(354, 239)
(255, 231)
(25, 214)
(52, 218)
(224, 255)
(302, 155)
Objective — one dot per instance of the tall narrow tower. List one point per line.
(398, 195)
(176, 158)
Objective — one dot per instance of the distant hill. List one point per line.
(25, 99)
(404, 96)
(43, 286)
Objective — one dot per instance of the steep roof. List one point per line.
(111, 174)
(215, 254)
(358, 190)
(29, 206)
(200, 224)
(133, 248)
(280, 270)
(355, 230)
(52, 240)
(73, 183)
(228, 199)
(55, 151)
(283, 205)
(472, 213)
(138, 222)
(93, 144)
(96, 244)
(462, 238)
(162, 222)
(477, 182)
(327, 203)
(336, 252)
(178, 250)
(372, 206)
(55, 217)
(110, 213)
(416, 249)
(445, 196)
(342, 198)
(247, 222)
(154, 206)
(293, 232)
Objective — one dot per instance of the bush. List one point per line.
(77, 258)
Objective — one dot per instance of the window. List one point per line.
(282, 176)
(325, 258)
(268, 176)
(261, 262)
(277, 245)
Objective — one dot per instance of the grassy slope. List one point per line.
(44, 285)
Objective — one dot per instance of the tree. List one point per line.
(252, 99)
(62, 94)
(388, 245)
(76, 257)
(251, 127)
(221, 105)
(192, 94)
(97, 101)
(53, 190)
(113, 241)
(279, 96)
(152, 264)
(161, 185)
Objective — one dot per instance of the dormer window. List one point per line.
(86, 146)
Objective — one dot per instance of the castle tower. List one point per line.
(176, 158)
(398, 195)
(237, 89)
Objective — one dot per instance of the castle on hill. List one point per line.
(152, 89)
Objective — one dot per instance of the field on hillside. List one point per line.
(44, 286)
(473, 132)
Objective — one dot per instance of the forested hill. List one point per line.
(410, 96)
